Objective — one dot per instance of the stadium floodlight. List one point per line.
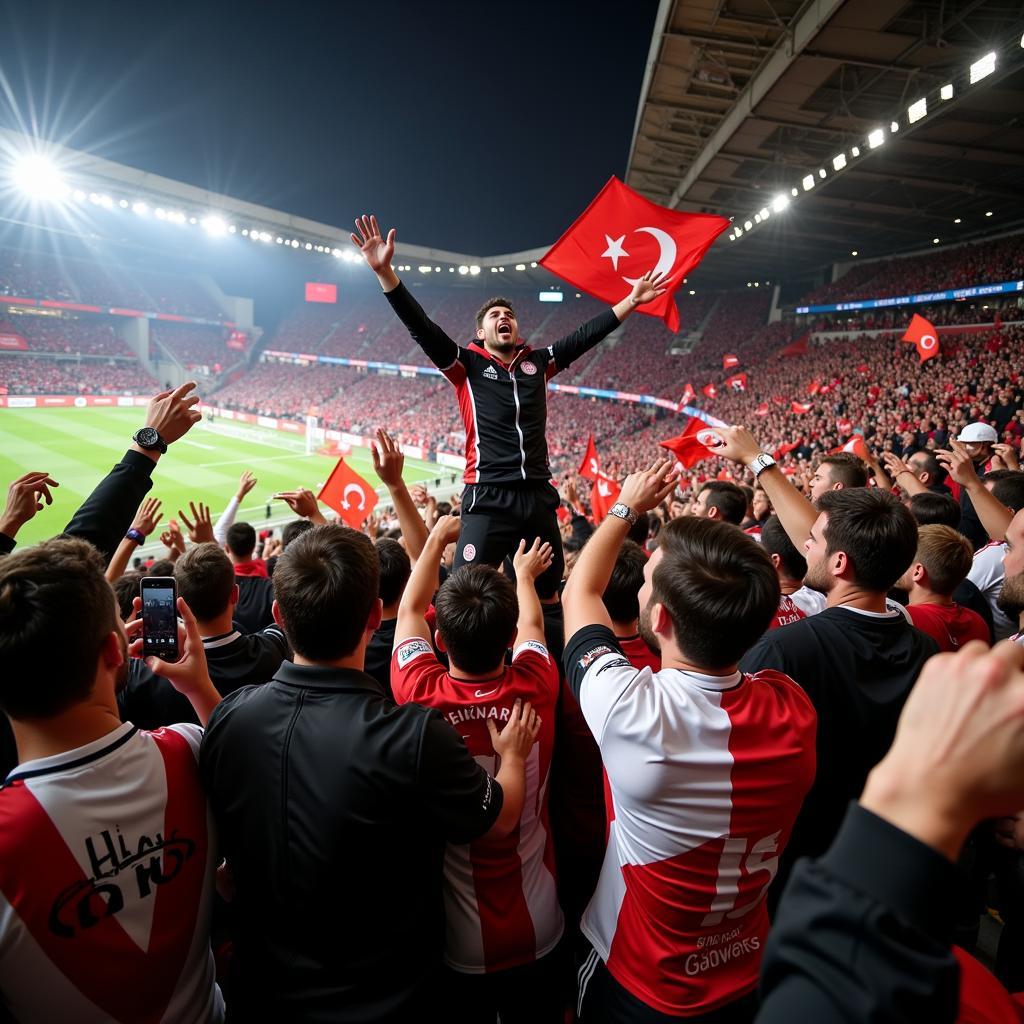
(161, 214)
(737, 232)
(750, 284)
(232, 229)
(214, 225)
(451, 270)
(520, 266)
(917, 110)
(295, 243)
(988, 213)
(855, 152)
(192, 220)
(757, 284)
(983, 68)
(140, 208)
(780, 202)
(757, 218)
(839, 162)
(494, 270)
(764, 213)
(853, 252)
(123, 203)
(39, 178)
(894, 126)
(876, 138)
(808, 182)
(501, 270)
(474, 269)
(747, 225)
(956, 220)
(794, 191)
(935, 241)
(424, 269)
(821, 172)
(176, 217)
(533, 263)
(79, 195)
(946, 92)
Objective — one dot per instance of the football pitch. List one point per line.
(77, 447)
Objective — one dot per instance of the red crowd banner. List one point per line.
(13, 342)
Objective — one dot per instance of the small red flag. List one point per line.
(785, 449)
(800, 407)
(696, 442)
(729, 361)
(814, 387)
(591, 465)
(923, 334)
(688, 396)
(864, 369)
(603, 495)
(620, 236)
(856, 446)
(797, 347)
(762, 409)
(738, 382)
(710, 390)
(348, 494)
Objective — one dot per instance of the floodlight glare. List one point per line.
(534, 263)
(917, 110)
(38, 177)
(747, 225)
(821, 172)
(757, 218)
(983, 68)
(140, 208)
(520, 266)
(988, 213)
(956, 220)
(795, 191)
(214, 225)
(935, 241)
(853, 252)
(855, 151)
(463, 270)
(876, 138)
(692, 292)
(946, 92)
(839, 162)
(894, 126)
(779, 203)
(808, 182)
(474, 270)
(764, 213)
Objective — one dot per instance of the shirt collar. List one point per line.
(77, 756)
(325, 677)
(520, 351)
(220, 640)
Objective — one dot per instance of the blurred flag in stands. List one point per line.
(800, 407)
(785, 449)
(738, 382)
(710, 390)
(348, 494)
(797, 347)
(621, 236)
(814, 387)
(603, 495)
(762, 409)
(855, 446)
(923, 334)
(729, 361)
(688, 396)
(591, 466)
(696, 442)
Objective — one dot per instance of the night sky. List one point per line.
(477, 127)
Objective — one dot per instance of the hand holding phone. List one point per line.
(159, 596)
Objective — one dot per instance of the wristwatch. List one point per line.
(760, 463)
(150, 439)
(136, 535)
(623, 511)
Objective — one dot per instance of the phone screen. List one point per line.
(159, 617)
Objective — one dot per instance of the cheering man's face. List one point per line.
(499, 332)
(1011, 600)
(815, 551)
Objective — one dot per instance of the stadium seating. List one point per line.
(88, 336)
(195, 346)
(38, 375)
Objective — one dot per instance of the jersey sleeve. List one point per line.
(582, 340)
(455, 792)
(598, 673)
(436, 345)
(414, 670)
(534, 658)
(193, 734)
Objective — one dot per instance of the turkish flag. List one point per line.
(785, 449)
(923, 334)
(800, 407)
(710, 390)
(620, 236)
(856, 446)
(762, 409)
(590, 466)
(349, 495)
(814, 387)
(695, 443)
(688, 396)
(738, 382)
(603, 495)
(729, 361)
(797, 347)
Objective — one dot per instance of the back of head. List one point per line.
(730, 501)
(161, 567)
(241, 540)
(847, 469)
(931, 508)
(876, 532)
(326, 586)
(719, 588)
(126, 589)
(395, 569)
(1008, 488)
(294, 529)
(946, 555)
(477, 610)
(775, 541)
(206, 579)
(56, 610)
(639, 531)
(621, 596)
(925, 461)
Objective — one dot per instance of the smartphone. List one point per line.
(159, 617)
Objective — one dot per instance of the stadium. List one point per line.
(866, 162)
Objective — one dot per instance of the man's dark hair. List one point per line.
(497, 300)
(205, 578)
(241, 540)
(719, 588)
(877, 533)
(730, 501)
(847, 469)
(395, 569)
(326, 586)
(775, 541)
(621, 596)
(1008, 488)
(161, 567)
(294, 529)
(56, 610)
(126, 589)
(931, 509)
(444, 508)
(136, 563)
(930, 465)
(477, 611)
(640, 530)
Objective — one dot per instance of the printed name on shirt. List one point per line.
(593, 654)
(532, 645)
(470, 714)
(412, 649)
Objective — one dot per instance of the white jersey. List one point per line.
(107, 865)
(987, 575)
(812, 601)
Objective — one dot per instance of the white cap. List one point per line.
(977, 432)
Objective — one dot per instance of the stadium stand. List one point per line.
(38, 375)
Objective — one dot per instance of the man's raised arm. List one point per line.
(378, 253)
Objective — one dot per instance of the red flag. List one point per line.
(620, 236)
(729, 361)
(738, 382)
(800, 407)
(695, 443)
(785, 449)
(855, 445)
(603, 495)
(762, 409)
(864, 369)
(710, 390)
(997, 323)
(923, 334)
(814, 387)
(797, 347)
(778, 400)
(348, 494)
(590, 466)
(688, 396)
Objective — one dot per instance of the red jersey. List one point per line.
(635, 648)
(949, 625)
(787, 612)
(500, 899)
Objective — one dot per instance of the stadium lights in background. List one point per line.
(916, 112)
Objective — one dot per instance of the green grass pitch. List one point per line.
(77, 447)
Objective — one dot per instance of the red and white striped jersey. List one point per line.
(500, 900)
(705, 777)
(106, 880)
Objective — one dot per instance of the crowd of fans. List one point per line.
(195, 347)
(39, 375)
(68, 335)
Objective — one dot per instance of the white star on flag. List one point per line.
(614, 250)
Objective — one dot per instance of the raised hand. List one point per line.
(895, 465)
(958, 463)
(246, 482)
(148, 516)
(529, 563)
(173, 413)
(446, 530)
(200, 531)
(520, 732)
(737, 444)
(377, 251)
(25, 497)
(388, 461)
(1005, 457)
(646, 489)
(648, 288)
(172, 539)
(303, 503)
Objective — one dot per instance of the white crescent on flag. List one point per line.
(359, 491)
(928, 342)
(666, 256)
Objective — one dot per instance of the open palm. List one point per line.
(377, 251)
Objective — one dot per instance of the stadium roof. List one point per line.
(744, 99)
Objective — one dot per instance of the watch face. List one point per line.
(147, 436)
